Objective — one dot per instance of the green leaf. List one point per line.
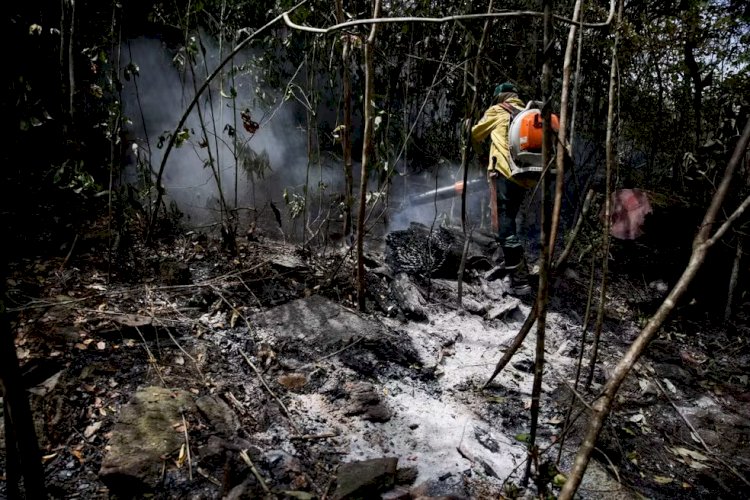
(523, 437)
(663, 479)
(496, 399)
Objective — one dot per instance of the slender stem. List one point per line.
(545, 255)
(470, 119)
(366, 157)
(610, 167)
(562, 133)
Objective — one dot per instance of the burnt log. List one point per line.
(423, 252)
(409, 298)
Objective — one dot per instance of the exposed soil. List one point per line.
(290, 381)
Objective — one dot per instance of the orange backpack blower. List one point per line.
(525, 137)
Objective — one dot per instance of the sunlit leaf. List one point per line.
(523, 437)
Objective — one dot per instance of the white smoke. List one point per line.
(156, 99)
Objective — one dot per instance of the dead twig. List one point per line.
(577, 395)
(328, 356)
(312, 437)
(70, 252)
(182, 349)
(235, 402)
(273, 395)
(208, 477)
(187, 447)
(249, 462)
(151, 358)
(611, 465)
(234, 309)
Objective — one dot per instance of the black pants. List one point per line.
(509, 198)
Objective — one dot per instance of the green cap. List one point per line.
(504, 87)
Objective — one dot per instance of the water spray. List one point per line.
(446, 192)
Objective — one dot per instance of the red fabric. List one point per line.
(629, 210)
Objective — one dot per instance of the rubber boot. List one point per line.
(516, 280)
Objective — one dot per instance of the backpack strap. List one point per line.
(510, 109)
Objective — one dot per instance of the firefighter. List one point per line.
(508, 191)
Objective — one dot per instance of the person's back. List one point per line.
(506, 192)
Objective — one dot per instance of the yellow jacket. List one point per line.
(495, 123)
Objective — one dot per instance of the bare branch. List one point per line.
(447, 19)
(724, 227)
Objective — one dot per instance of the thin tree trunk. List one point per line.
(610, 167)
(562, 133)
(366, 157)
(546, 252)
(701, 244)
(695, 76)
(21, 442)
(469, 121)
(115, 145)
(579, 362)
(575, 90)
(346, 134)
(71, 61)
(733, 279)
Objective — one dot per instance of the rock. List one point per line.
(407, 475)
(240, 491)
(219, 414)
(396, 494)
(409, 298)
(148, 429)
(676, 374)
(474, 306)
(524, 365)
(283, 466)
(485, 439)
(452, 487)
(366, 402)
(365, 479)
(325, 325)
